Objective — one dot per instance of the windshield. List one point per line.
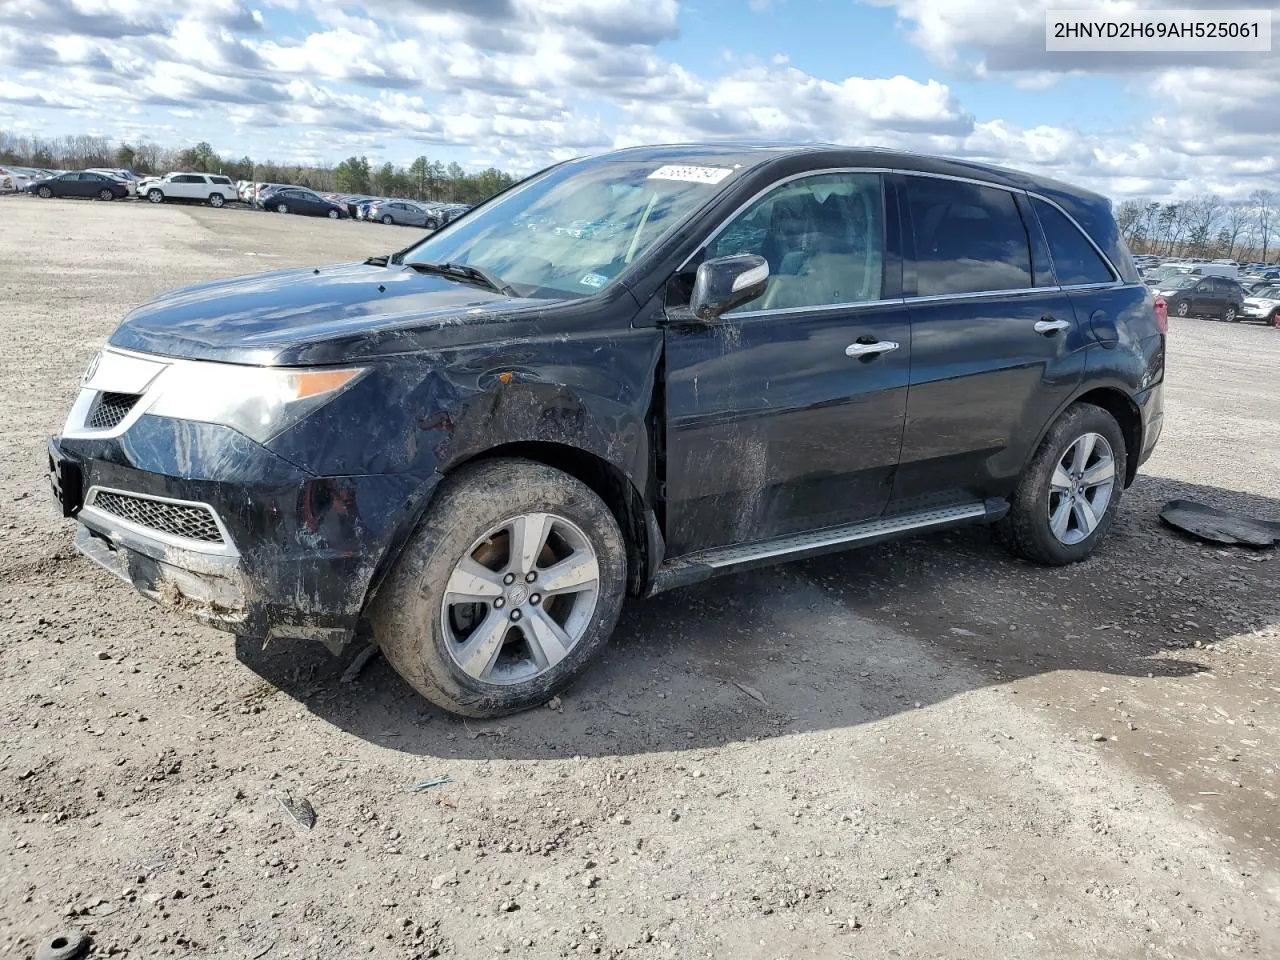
(574, 229)
(1267, 293)
(1181, 283)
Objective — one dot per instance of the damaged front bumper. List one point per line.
(267, 551)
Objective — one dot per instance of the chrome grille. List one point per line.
(189, 521)
(109, 409)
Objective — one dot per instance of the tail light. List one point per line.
(1162, 315)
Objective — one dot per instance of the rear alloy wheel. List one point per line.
(1230, 314)
(1068, 496)
(333, 214)
(388, 219)
(509, 587)
(216, 200)
(106, 194)
(44, 193)
(1184, 309)
(282, 208)
(155, 196)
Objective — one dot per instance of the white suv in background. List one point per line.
(210, 188)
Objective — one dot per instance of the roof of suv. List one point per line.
(753, 153)
(1091, 210)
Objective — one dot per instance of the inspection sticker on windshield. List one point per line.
(594, 280)
(690, 174)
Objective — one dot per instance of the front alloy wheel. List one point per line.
(106, 194)
(44, 193)
(333, 214)
(282, 208)
(1230, 315)
(1080, 488)
(1184, 309)
(216, 200)
(520, 599)
(509, 586)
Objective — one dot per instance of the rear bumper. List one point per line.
(1151, 405)
(295, 555)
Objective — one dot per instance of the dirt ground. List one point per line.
(951, 754)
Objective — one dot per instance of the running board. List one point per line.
(695, 567)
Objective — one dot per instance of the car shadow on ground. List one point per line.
(841, 640)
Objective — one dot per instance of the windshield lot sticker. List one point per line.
(594, 280)
(690, 174)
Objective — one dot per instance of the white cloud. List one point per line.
(518, 83)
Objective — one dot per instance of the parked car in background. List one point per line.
(20, 177)
(1192, 296)
(1262, 304)
(79, 183)
(125, 176)
(1197, 269)
(211, 188)
(406, 213)
(478, 447)
(302, 201)
(444, 214)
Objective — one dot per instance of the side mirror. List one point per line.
(727, 282)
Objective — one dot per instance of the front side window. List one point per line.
(1074, 258)
(823, 237)
(969, 238)
(572, 230)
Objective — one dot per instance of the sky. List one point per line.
(521, 83)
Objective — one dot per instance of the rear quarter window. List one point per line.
(1074, 259)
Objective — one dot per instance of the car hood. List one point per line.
(1265, 303)
(324, 315)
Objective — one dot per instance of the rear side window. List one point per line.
(969, 238)
(1074, 258)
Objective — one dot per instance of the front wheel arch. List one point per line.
(641, 532)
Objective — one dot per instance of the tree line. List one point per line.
(1204, 226)
(424, 179)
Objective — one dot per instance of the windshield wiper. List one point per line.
(469, 274)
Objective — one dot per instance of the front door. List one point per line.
(996, 346)
(786, 415)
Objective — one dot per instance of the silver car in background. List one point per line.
(404, 212)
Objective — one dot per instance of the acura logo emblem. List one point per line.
(92, 368)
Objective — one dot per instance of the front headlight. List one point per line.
(260, 402)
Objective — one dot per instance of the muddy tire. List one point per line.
(509, 587)
(1068, 496)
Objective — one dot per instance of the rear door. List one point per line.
(996, 347)
(773, 427)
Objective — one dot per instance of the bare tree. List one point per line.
(1128, 218)
(1235, 220)
(1262, 205)
(1200, 217)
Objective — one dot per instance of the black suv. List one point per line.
(624, 374)
(1190, 296)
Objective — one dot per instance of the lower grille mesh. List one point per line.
(109, 409)
(174, 519)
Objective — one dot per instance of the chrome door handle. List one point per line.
(1048, 326)
(867, 349)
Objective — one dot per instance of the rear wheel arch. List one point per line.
(1117, 403)
(1126, 413)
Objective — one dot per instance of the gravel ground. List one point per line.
(920, 750)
